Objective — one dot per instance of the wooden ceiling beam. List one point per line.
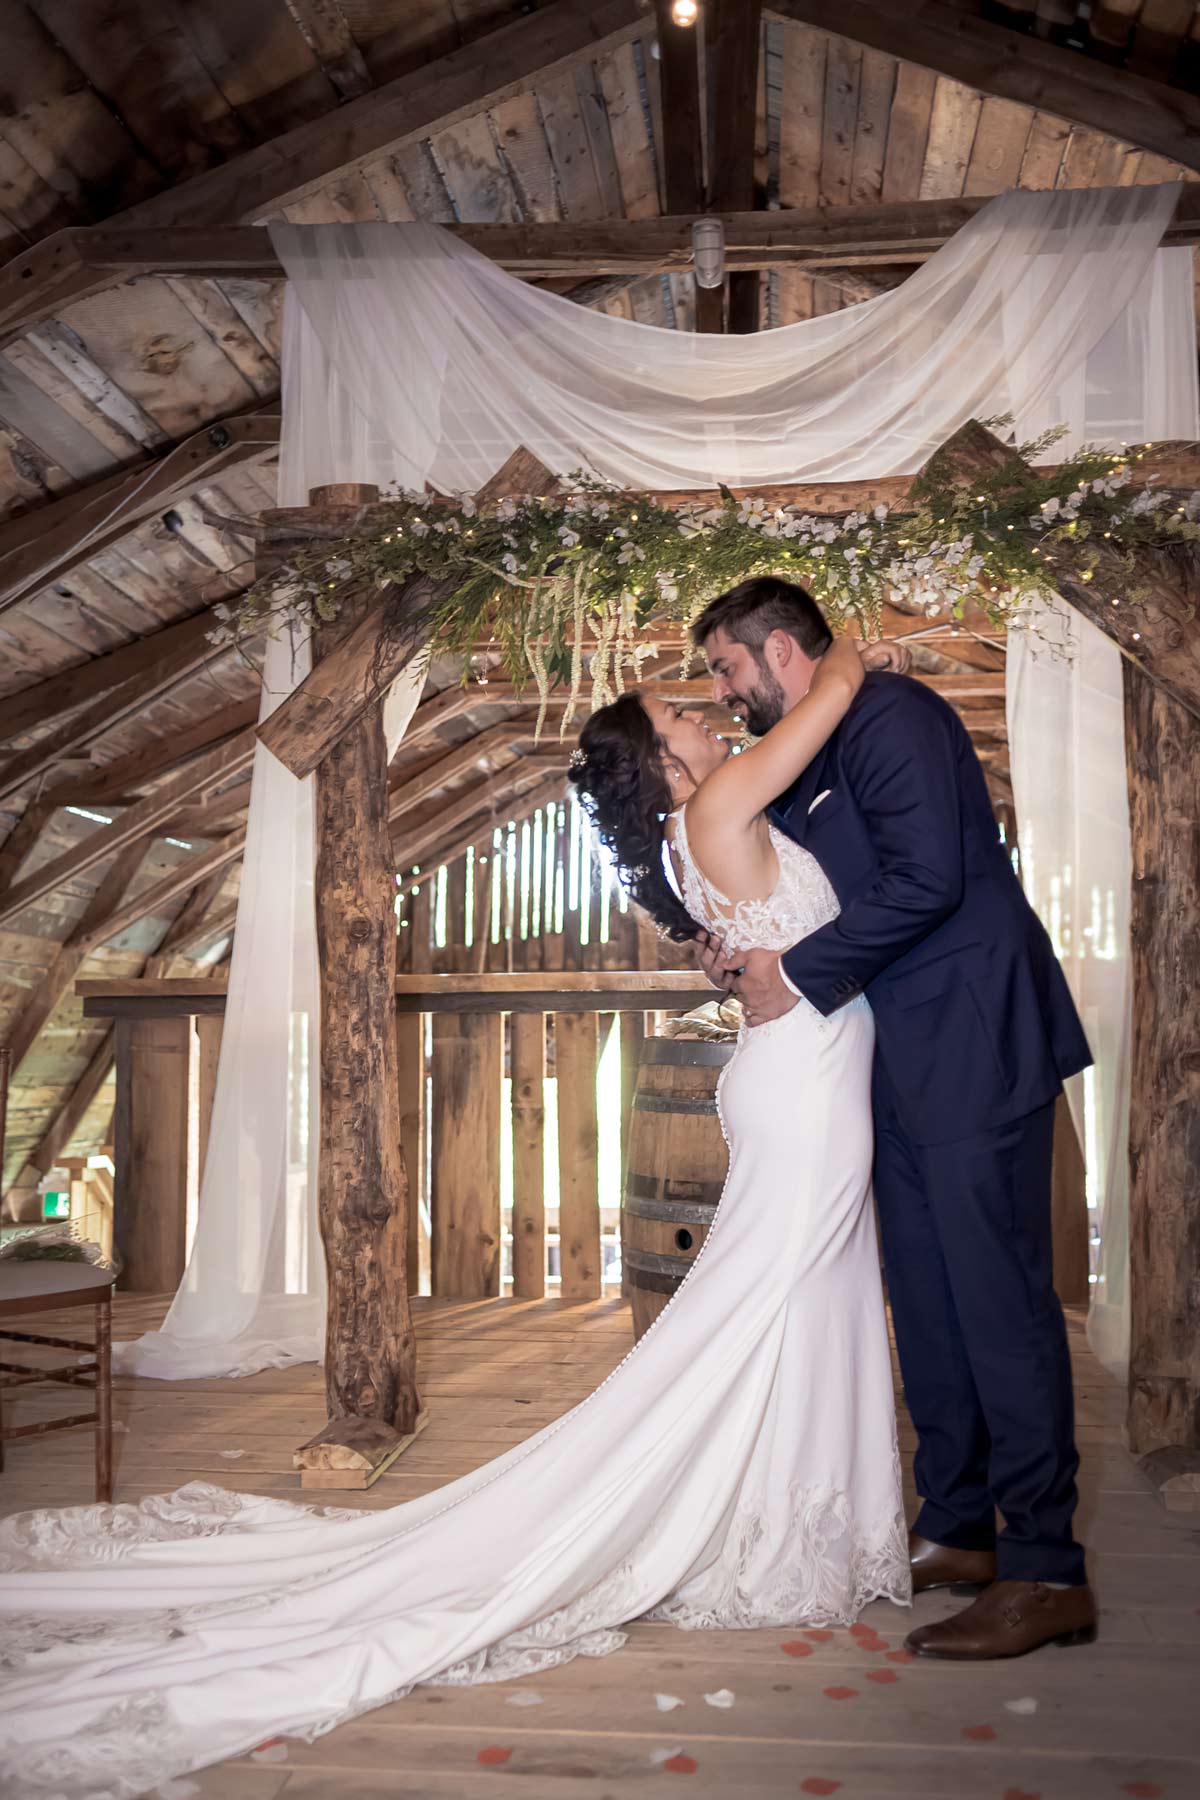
(149, 815)
(144, 765)
(44, 545)
(682, 148)
(889, 235)
(990, 58)
(733, 48)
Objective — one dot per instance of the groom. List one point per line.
(975, 1033)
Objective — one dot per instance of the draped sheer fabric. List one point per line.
(410, 356)
(410, 359)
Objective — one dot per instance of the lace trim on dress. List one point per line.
(801, 901)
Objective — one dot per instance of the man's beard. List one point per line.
(764, 705)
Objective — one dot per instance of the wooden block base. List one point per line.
(352, 1453)
(1176, 1478)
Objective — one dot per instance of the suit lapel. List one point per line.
(790, 811)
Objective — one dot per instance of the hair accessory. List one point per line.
(640, 873)
(577, 759)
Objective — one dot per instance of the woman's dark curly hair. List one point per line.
(621, 783)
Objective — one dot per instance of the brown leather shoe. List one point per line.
(940, 1566)
(1010, 1619)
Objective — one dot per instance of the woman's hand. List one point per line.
(887, 654)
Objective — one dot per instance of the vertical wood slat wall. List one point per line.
(529, 896)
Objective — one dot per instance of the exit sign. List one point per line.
(56, 1206)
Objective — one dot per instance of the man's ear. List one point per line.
(780, 648)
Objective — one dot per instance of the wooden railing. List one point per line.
(457, 1036)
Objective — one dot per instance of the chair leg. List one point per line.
(104, 1445)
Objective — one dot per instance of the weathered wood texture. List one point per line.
(1069, 1211)
(410, 1063)
(1163, 751)
(575, 1045)
(151, 1151)
(465, 1154)
(370, 1354)
(527, 1042)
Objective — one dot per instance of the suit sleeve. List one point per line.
(899, 759)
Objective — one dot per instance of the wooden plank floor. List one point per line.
(812, 1713)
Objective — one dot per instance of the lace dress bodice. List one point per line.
(800, 903)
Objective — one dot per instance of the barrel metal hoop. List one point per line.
(647, 1282)
(649, 1262)
(673, 1103)
(671, 1212)
(696, 1053)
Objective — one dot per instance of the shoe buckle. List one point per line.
(1011, 1616)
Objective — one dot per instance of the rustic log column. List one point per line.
(370, 1350)
(464, 1134)
(1163, 752)
(150, 1152)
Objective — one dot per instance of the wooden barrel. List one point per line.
(674, 1169)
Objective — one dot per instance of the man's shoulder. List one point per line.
(898, 698)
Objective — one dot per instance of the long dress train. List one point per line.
(737, 1469)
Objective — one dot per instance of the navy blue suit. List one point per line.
(975, 1032)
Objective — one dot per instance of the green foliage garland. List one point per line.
(567, 588)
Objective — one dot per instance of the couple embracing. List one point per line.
(908, 1030)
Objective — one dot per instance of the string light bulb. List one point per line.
(684, 12)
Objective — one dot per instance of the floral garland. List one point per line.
(566, 587)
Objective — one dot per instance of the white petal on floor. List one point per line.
(1026, 1704)
(724, 1698)
(668, 1702)
(523, 1697)
(231, 1455)
(662, 1756)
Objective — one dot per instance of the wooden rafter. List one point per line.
(887, 235)
(188, 653)
(955, 41)
(127, 774)
(44, 545)
(733, 41)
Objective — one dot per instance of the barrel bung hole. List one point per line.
(684, 1239)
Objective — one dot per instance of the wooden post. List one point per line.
(370, 1351)
(528, 1059)
(465, 1154)
(151, 1152)
(209, 1027)
(1163, 751)
(1069, 1211)
(575, 1039)
(410, 1060)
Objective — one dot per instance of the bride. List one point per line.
(737, 1469)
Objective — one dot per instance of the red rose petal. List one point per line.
(818, 1784)
(267, 1744)
(819, 1637)
(841, 1693)
(884, 1677)
(682, 1765)
(980, 1734)
(863, 1631)
(796, 1648)
(495, 1753)
(1019, 1794)
(902, 1656)
(1142, 1790)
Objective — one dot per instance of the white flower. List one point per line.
(508, 561)
(881, 513)
(506, 510)
(419, 528)
(1050, 508)
(338, 565)
(569, 538)
(469, 507)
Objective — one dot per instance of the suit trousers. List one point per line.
(982, 1341)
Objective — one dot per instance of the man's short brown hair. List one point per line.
(751, 611)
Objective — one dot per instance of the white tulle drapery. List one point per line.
(409, 359)
(409, 351)
(1066, 729)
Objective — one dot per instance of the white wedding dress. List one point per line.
(737, 1469)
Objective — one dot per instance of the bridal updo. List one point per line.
(621, 783)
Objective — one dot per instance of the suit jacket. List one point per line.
(974, 1022)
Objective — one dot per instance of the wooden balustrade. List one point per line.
(457, 1034)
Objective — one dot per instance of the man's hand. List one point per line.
(719, 964)
(760, 987)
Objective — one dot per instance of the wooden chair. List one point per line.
(41, 1286)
